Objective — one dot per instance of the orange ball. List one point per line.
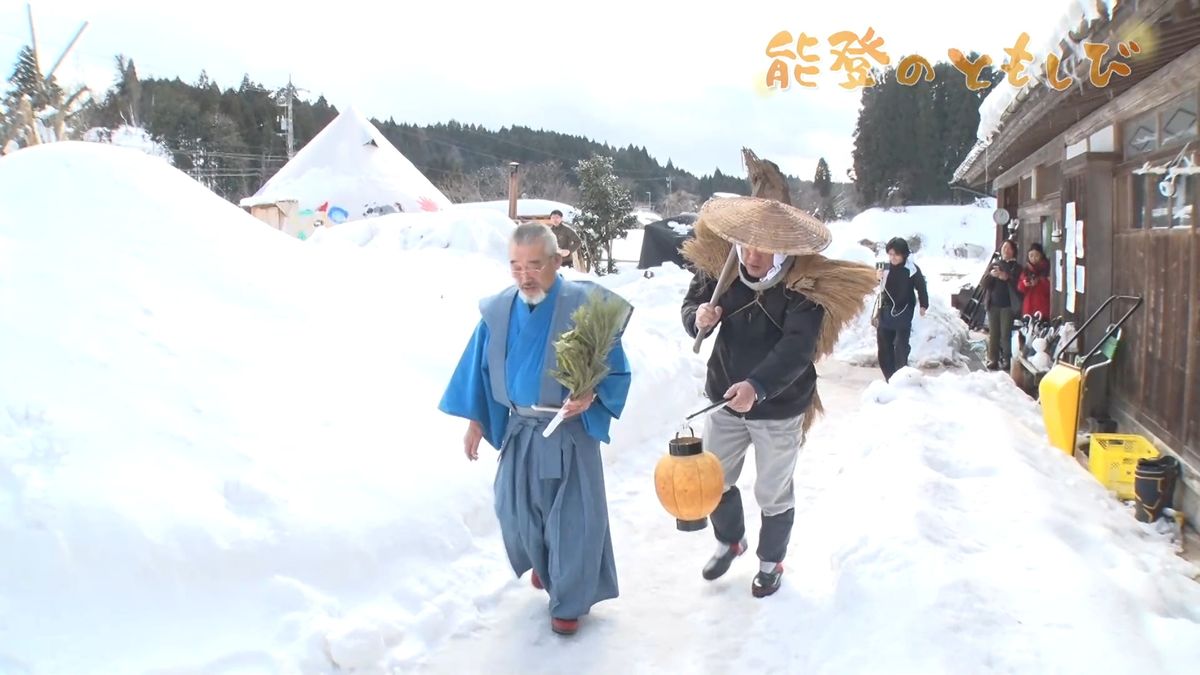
(689, 482)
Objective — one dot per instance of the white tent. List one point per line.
(347, 172)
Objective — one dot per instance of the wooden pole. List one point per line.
(512, 190)
(723, 283)
(66, 51)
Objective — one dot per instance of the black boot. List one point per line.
(766, 583)
(729, 525)
(723, 558)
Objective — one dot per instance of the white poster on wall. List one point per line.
(1079, 279)
(1069, 246)
(1079, 241)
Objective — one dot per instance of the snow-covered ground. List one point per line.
(220, 453)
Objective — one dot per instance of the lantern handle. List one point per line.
(690, 431)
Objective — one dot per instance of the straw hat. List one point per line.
(766, 224)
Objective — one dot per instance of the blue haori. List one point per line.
(549, 492)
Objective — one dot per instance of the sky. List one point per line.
(686, 83)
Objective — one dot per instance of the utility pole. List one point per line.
(668, 184)
(291, 134)
(287, 124)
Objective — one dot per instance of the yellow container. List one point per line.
(1113, 458)
(1058, 393)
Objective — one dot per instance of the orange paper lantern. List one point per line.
(689, 482)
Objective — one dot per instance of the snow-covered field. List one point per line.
(220, 453)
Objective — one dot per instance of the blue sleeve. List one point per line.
(610, 395)
(469, 394)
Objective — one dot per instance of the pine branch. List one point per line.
(581, 354)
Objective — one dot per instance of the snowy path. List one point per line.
(668, 619)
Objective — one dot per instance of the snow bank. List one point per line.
(946, 231)
(219, 446)
(953, 539)
(952, 245)
(125, 136)
(939, 339)
(526, 208)
(481, 231)
(645, 217)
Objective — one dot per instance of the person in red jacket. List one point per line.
(1034, 284)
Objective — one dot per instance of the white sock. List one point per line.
(722, 548)
(766, 567)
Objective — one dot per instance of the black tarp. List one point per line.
(661, 241)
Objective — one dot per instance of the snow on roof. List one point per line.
(526, 208)
(1004, 96)
(350, 165)
(722, 195)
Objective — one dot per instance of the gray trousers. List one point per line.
(777, 446)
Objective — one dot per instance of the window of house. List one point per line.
(1184, 203)
(1150, 205)
(1049, 180)
(1026, 189)
(1172, 123)
(1141, 134)
(1178, 120)
(1160, 205)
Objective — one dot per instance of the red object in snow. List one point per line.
(324, 207)
(427, 204)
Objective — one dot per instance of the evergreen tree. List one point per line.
(823, 184)
(605, 207)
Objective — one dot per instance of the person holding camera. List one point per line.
(902, 287)
(1003, 302)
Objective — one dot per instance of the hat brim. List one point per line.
(766, 224)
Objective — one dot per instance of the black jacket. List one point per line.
(1003, 293)
(905, 287)
(767, 338)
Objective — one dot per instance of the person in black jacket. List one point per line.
(902, 288)
(762, 363)
(1003, 302)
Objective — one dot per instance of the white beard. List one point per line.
(535, 299)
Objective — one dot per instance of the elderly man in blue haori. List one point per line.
(549, 492)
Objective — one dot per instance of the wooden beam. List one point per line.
(512, 190)
(1054, 151)
(1148, 94)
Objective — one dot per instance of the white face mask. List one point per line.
(776, 263)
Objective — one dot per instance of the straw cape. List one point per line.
(839, 286)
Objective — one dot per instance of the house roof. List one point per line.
(1015, 122)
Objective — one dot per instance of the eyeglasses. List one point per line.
(532, 268)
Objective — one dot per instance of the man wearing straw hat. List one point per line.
(778, 307)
